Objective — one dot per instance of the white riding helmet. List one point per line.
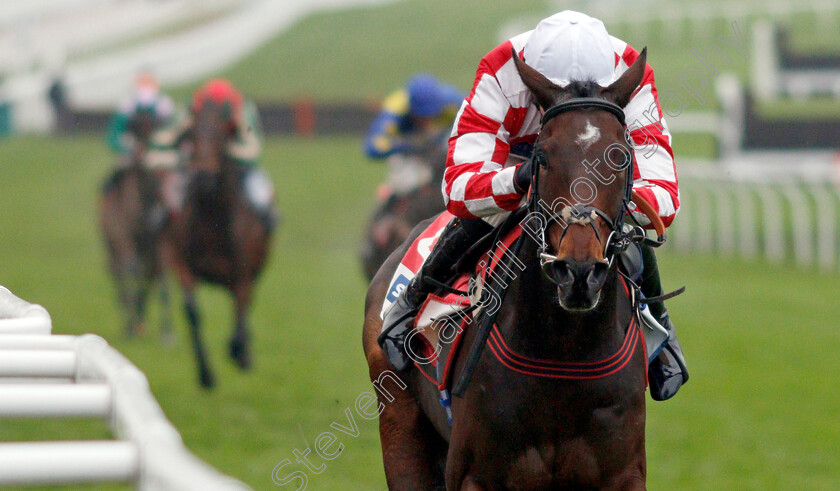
(571, 46)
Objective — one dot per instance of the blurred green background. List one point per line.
(761, 410)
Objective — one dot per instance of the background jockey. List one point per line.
(244, 147)
(146, 100)
(412, 127)
(486, 177)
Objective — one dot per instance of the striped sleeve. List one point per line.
(655, 174)
(476, 184)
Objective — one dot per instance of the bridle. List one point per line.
(620, 237)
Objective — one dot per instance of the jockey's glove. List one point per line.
(522, 176)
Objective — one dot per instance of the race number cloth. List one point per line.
(413, 260)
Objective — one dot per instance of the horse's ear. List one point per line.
(545, 92)
(622, 89)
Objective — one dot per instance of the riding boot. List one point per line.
(667, 372)
(454, 241)
(260, 193)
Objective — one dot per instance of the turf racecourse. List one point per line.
(762, 410)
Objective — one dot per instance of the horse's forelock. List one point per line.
(582, 88)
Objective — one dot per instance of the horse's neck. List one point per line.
(143, 178)
(541, 328)
(148, 185)
(229, 174)
(229, 177)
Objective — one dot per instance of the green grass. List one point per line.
(761, 410)
(364, 53)
(307, 314)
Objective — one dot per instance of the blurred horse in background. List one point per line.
(132, 216)
(219, 236)
(412, 194)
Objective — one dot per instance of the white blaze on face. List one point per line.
(590, 135)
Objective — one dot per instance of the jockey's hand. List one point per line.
(522, 176)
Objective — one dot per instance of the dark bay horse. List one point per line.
(219, 237)
(556, 399)
(131, 216)
(393, 219)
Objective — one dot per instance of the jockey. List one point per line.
(147, 99)
(487, 176)
(413, 123)
(244, 147)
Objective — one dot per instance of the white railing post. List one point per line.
(703, 234)
(826, 210)
(32, 463)
(725, 236)
(20, 317)
(105, 384)
(747, 224)
(801, 223)
(772, 216)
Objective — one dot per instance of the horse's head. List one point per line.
(212, 129)
(214, 111)
(141, 125)
(583, 172)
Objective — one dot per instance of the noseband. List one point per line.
(581, 214)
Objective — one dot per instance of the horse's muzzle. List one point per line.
(579, 282)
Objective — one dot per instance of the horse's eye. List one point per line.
(539, 159)
(628, 160)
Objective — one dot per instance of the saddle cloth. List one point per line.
(441, 320)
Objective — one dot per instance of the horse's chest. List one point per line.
(559, 442)
(574, 462)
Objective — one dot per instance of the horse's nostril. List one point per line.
(563, 274)
(586, 276)
(596, 277)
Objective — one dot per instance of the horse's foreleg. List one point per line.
(239, 347)
(205, 373)
(133, 305)
(166, 262)
(188, 282)
(124, 298)
(166, 335)
(411, 449)
(140, 306)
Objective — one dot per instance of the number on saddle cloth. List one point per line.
(413, 260)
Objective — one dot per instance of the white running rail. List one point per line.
(44, 375)
(785, 217)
